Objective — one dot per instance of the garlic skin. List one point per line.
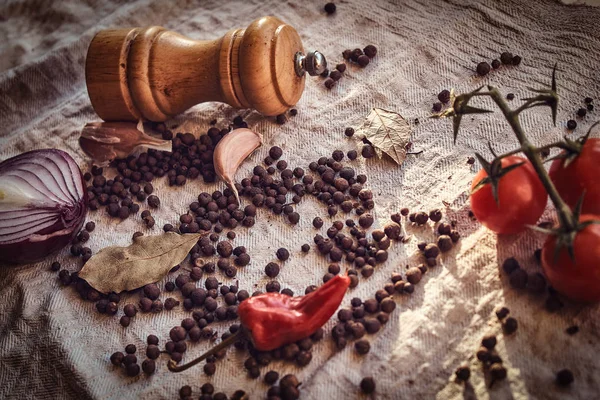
(231, 151)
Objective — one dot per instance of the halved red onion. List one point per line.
(43, 204)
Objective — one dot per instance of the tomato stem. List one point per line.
(532, 153)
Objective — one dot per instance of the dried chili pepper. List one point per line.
(274, 319)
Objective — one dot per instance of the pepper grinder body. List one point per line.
(154, 74)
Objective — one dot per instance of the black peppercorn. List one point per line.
(571, 124)
(335, 75)
(516, 60)
(483, 68)
(355, 54)
(510, 96)
(463, 373)
(210, 368)
(495, 63)
(435, 215)
(431, 251)
(518, 278)
(367, 385)
(489, 342)
(272, 270)
(294, 218)
(282, 254)
(564, 377)
(329, 83)
(444, 243)
(444, 96)
(153, 201)
(506, 58)
(368, 151)
(330, 8)
(437, 107)
(132, 370)
(497, 372)
(581, 112)
(370, 51)
(363, 60)
(510, 325)
(117, 358)
(502, 313)
(149, 366)
(130, 310)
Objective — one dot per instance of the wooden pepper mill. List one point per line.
(154, 74)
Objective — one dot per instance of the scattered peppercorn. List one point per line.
(510, 325)
(581, 112)
(518, 278)
(516, 60)
(367, 385)
(330, 8)
(153, 201)
(370, 51)
(510, 96)
(437, 107)
(572, 330)
(483, 68)
(329, 83)
(502, 313)
(497, 372)
(489, 342)
(368, 151)
(506, 58)
(275, 152)
(363, 60)
(463, 373)
(571, 124)
(564, 377)
(495, 63)
(281, 119)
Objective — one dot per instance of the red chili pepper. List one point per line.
(275, 319)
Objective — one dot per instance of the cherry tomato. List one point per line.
(579, 280)
(582, 174)
(522, 198)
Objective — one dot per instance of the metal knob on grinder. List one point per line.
(155, 74)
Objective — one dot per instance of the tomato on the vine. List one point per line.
(522, 198)
(583, 173)
(580, 279)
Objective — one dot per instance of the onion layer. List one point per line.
(43, 204)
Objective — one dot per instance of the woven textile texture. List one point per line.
(53, 345)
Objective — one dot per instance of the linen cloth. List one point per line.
(53, 345)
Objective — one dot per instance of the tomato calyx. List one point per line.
(494, 171)
(565, 236)
(572, 148)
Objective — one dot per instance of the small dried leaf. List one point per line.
(147, 260)
(388, 132)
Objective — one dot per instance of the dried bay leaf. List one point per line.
(388, 132)
(147, 260)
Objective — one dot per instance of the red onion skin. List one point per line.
(31, 250)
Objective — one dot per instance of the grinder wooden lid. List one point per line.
(268, 77)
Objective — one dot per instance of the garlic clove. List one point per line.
(231, 151)
(105, 141)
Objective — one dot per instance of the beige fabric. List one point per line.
(55, 346)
